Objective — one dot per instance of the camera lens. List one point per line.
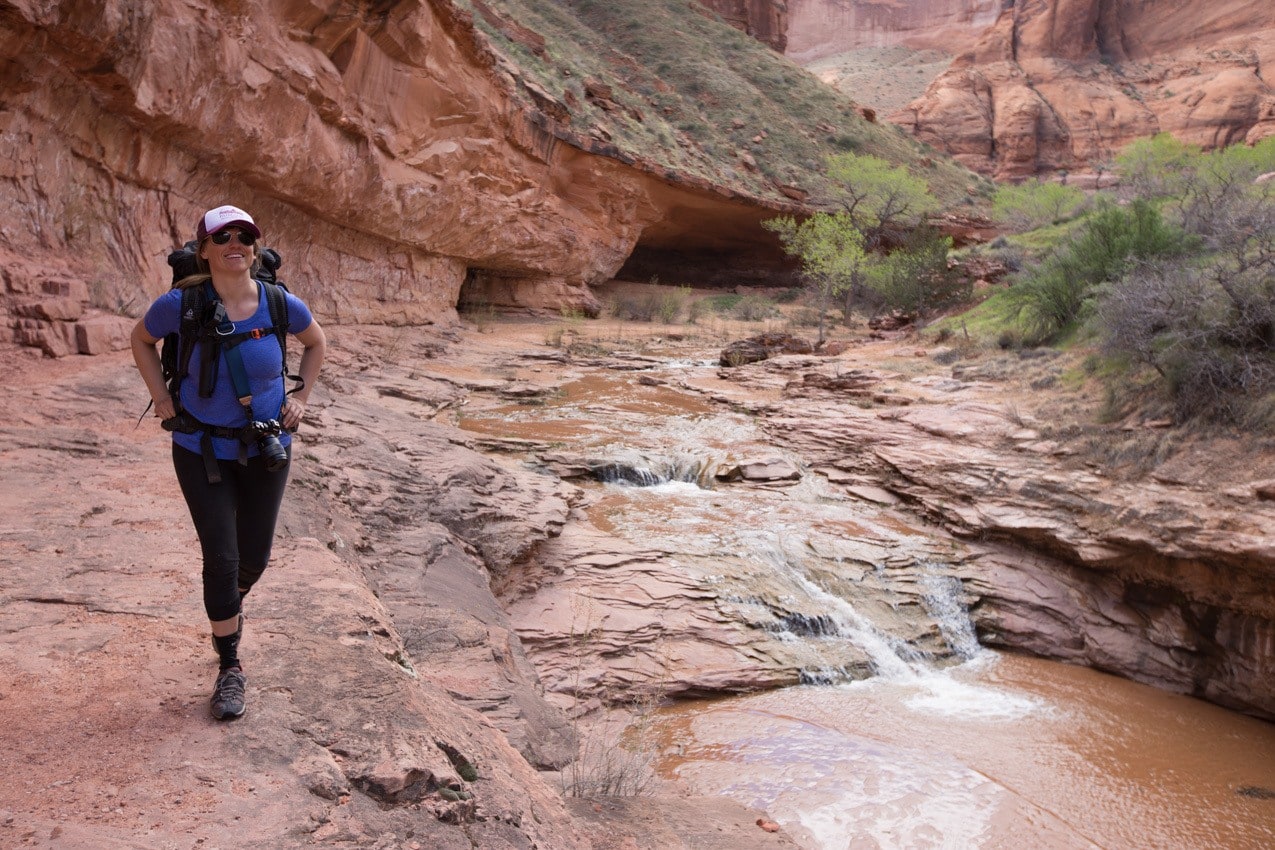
(273, 453)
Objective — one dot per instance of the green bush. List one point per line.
(664, 303)
(754, 308)
(698, 309)
(808, 317)
(1155, 167)
(1051, 298)
(915, 277)
(723, 304)
(671, 302)
(1208, 327)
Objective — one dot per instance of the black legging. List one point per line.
(235, 522)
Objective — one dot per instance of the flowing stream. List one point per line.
(907, 733)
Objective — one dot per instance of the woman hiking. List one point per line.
(231, 418)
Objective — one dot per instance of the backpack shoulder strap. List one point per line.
(278, 304)
(277, 301)
(192, 312)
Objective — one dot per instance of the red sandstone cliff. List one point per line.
(390, 151)
(764, 20)
(1047, 85)
(819, 28)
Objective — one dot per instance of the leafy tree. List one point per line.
(1213, 184)
(832, 253)
(915, 277)
(881, 200)
(874, 241)
(1155, 167)
(1027, 206)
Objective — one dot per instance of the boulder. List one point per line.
(100, 334)
(763, 346)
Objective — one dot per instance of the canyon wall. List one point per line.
(383, 147)
(1046, 86)
(764, 20)
(819, 28)
(1065, 85)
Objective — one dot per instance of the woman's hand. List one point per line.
(316, 344)
(146, 356)
(165, 408)
(293, 410)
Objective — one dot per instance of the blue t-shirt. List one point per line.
(263, 362)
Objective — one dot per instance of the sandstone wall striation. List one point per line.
(819, 28)
(382, 147)
(1063, 84)
(764, 20)
(1041, 86)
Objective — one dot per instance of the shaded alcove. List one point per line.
(710, 241)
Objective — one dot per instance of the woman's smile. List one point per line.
(232, 257)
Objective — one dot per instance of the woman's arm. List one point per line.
(316, 347)
(146, 357)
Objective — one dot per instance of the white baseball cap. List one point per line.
(223, 217)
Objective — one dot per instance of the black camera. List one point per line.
(272, 452)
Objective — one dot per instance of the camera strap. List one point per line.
(239, 377)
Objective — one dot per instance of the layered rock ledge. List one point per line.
(1164, 579)
(390, 702)
(394, 144)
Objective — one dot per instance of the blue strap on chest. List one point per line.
(229, 342)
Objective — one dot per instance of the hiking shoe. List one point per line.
(228, 694)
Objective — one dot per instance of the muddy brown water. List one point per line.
(1005, 752)
(974, 749)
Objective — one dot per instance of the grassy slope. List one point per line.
(692, 78)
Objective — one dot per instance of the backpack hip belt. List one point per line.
(184, 423)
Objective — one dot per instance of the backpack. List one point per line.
(199, 309)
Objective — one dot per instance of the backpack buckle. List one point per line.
(257, 333)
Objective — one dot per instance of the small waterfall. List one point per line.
(941, 596)
(851, 625)
(804, 625)
(650, 473)
(891, 659)
(839, 619)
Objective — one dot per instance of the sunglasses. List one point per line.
(221, 237)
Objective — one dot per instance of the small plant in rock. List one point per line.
(615, 751)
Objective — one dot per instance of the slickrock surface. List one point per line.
(1064, 547)
(418, 618)
(380, 667)
(1165, 578)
